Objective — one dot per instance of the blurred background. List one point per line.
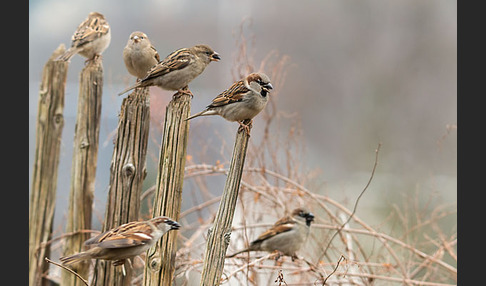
(358, 73)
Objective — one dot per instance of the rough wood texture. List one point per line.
(126, 178)
(50, 123)
(219, 234)
(83, 168)
(160, 261)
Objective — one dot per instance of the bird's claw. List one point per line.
(247, 127)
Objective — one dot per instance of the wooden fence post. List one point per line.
(219, 234)
(83, 168)
(50, 123)
(127, 173)
(160, 261)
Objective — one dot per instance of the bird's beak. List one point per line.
(173, 224)
(215, 57)
(136, 39)
(309, 218)
(266, 88)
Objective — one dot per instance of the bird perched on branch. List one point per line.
(139, 55)
(242, 101)
(125, 241)
(178, 69)
(287, 235)
(90, 39)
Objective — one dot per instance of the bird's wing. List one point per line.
(89, 30)
(233, 94)
(273, 231)
(126, 235)
(175, 61)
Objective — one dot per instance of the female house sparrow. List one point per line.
(287, 235)
(139, 55)
(242, 101)
(90, 39)
(125, 241)
(178, 69)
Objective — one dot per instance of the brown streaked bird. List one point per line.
(90, 39)
(139, 55)
(178, 69)
(242, 101)
(125, 241)
(287, 235)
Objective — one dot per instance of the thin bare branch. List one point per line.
(68, 269)
(356, 202)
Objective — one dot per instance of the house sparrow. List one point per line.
(139, 55)
(125, 241)
(91, 38)
(287, 235)
(242, 101)
(178, 69)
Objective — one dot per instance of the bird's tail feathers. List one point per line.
(202, 113)
(238, 252)
(66, 260)
(67, 55)
(128, 89)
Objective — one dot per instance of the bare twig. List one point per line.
(247, 265)
(356, 203)
(335, 268)
(68, 269)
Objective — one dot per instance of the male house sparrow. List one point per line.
(90, 39)
(139, 55)
(125, 241)
(242, 101)
(178, 69)
(287, 235)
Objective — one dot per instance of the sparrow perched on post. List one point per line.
(178, 69)
(139, 55)
(287, 235)
(90, 39)
(125, 241)
(242, 101)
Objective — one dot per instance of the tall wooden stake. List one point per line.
(160, 261)
(126, 179)
(83, 168)
(219, 234)
(50, 123)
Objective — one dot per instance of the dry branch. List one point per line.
(355, 204)
(368, 265)
(68, 269)
(50, 123)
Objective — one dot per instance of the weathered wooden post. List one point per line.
(50, 123)
(160, 261)
(83, 168)
(219, 234)
(126, 178)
